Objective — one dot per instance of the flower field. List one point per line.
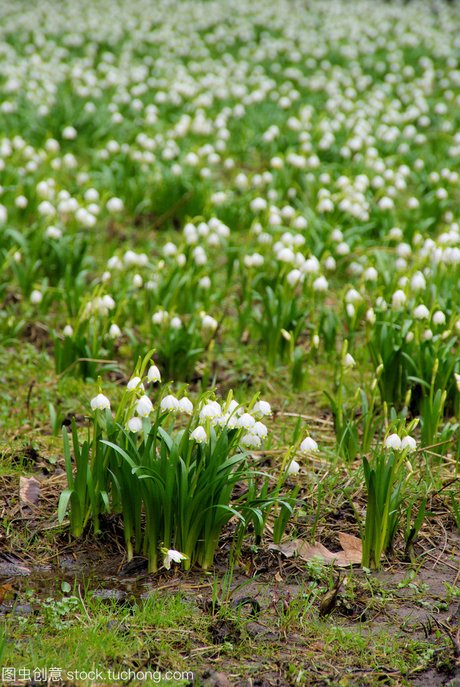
(230, 343)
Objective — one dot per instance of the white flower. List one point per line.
(169, 403)
(69, 133)
(208, 323)
(293, 468)
(258, 205)
(251, 440)
(294, 277)
(175, 323)
(351, 311)
(159, 317)
(114, 205)
(352, 296)
(135, 424)
(68, 330)
(409, 443)
(393, 441)
(144, 406)
(246, 421)
(262, 408)
(418, 282)
(153, 375)
(53, 233)
(421, 312)
(349, 361)
(135, 383)
(114, 331)
(36, 297)
(186, 405)
(320, 284)
(371, 274)
(100, 402)
(308, 445)
(398, 299)
(439, 317)
(210, 410)
(199, 435)
(173, 556)
(260, 430)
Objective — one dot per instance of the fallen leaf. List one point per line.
(29, 490)
(4, 589)
(351, 553)
(352, 547)
(288, 548)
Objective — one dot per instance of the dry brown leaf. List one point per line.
(351, 553)
(4, 590)
(287, 548)
(352, 547)
(29, 490)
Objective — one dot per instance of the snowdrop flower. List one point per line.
(199, 435)
(68, 330)
(160, 316)
(370, 316)
(153, 375)
(418, 282)
(173, 556)
(246, 421)
(260, 430)
(349, 361)
(53, 233)
(186, 405)
(69, 133)
(210, 410)
(293, 468)
(114, 205)
(251, 440)
(205, 283)
(135, 383)
(100, 402)
(144, 406)
(262, 409)
(409, 443)
(352, 296)
(36, 297)
(175, 323)
(308, 445)
(258, 205)
(135, 424)
(393, 441)
(398, 299)
(371, 274)
(169, 403)
(3, 214)
(421, 312)
(114, 331)
(320, 284)
(208, 323)
(294, 277)
(438, 318)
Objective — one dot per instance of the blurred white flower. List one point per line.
(100, 402)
